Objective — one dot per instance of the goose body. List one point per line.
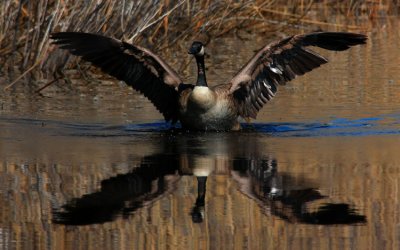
(206, 108)
(198, 106)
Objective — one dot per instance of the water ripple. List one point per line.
(380, 125)
(338, 127)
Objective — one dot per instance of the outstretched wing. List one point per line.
(279, 62)
(138, 67)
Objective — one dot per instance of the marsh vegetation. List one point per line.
(163, 25)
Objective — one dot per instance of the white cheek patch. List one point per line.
(201, 53)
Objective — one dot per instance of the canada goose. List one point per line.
(200, 107)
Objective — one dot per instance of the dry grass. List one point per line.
(25, 26)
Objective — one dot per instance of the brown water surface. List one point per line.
(92, 166)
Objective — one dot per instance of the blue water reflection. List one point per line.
(383, 125)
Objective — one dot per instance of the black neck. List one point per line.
(201, 72)
(201, 190)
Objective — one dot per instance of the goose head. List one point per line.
(197, 49)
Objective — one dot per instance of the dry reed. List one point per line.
(25, 26)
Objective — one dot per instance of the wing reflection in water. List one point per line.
(240, 154)
(122, 194)
(287, 196)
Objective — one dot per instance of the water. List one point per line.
(94, 166)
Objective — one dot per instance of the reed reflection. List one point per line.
(241, 155)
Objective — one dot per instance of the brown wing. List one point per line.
(279, 62)
(138, 67)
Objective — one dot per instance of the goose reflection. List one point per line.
(241, 155)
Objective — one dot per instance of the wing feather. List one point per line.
(280, 62)
(138, 67)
